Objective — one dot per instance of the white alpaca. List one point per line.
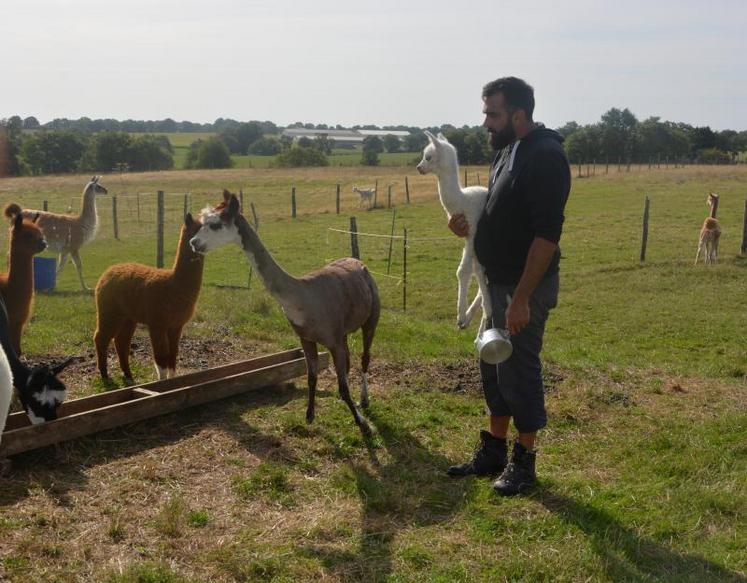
(366, 194)
(440, 158)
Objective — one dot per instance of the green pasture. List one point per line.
(642, 467)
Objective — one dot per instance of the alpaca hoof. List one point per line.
(309, 417)
(462, 324)
(365, 429)
(363, 404)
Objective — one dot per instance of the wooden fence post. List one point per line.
(644, 236)
(186, 205)
(254, 215)
(389, 197)
(376, 193)
(241, 199)
(337, 205)
(160, 217)
(607, 166)
(743, 250)
(256, 229)
(391, 242)
(407, 190)
(465, 177)
(293, 202)
(579, 169)
(114, 217)
(354, 251)
(138, 207)
(45, 206)
(404, 272)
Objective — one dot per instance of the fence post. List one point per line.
(354, 251)
(478, 179)
(114, 217)
(594, 171)
(337, 206)
(607, 166)
(465, 177)
(407, 190)
(256, 228)
(376, 193)
(743, 250)
(45, 206)
(391, 241)
(404, 272)
(186, 204)
(389, 197)
(628, 170)
(293, 202)
(644, 236)
(160, 216)
(619, 163)
(579, 169)
(241, 200)
(138, 207)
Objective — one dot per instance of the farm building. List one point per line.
(342, 138)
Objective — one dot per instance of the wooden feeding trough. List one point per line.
(88, 415)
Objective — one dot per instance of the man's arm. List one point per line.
(540, 255)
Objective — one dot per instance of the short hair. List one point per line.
(517, 93)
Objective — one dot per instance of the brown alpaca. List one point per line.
(66, 234)
(710, 233)
(164, 300)
(17, 286)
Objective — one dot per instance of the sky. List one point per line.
(387, 62)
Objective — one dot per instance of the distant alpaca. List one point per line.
(440, 158)
(323, 306)
(366, 194)
(66, 234)
(710, 233)
(39, 389)
(17, 286)
(164, 300)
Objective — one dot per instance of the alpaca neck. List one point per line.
(88, 210)
(449, 189)
(188, 264)
(278, 282)
(20, 270)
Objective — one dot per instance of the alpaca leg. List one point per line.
(101, 339)
(464, 273)
(474, 306)
(62, 261)
(79, 266)
(160, 344)
(312, 368)
(700, 249)
(122, 342)
(16, 331)
(487, 304)
(173, 335)
(347, 355)
(368, 329)
(339, 356)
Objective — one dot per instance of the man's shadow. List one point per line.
(625, 554)
(411, 488)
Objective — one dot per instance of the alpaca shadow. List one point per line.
(62, 468)
(410, 488)
(625, 554)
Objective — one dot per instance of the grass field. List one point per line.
(642, 467)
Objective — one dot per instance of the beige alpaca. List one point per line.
(66, 234)
(709, 233)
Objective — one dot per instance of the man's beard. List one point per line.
(501, 139)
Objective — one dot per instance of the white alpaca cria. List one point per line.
(440, 158)
(366, 194)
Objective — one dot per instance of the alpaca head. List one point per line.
(25, 235)
(93, 187)
(43, 392)
(218, 225)
(438, 156)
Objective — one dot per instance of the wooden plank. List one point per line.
(144, 392)
(144, 407)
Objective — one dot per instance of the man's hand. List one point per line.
(517, 314)
(459, 225)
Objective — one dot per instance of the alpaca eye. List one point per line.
(215, 226)
(427, 158)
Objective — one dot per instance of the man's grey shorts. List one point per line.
(514, 388)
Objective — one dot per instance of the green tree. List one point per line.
(147, 152)
(53, 152)
(297, 155)
(415, 142)
(391, 143)
(105, 151)
(266, 147)
(372, 147)
(324, 143)
(210, 153)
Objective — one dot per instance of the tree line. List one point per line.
(102, 145)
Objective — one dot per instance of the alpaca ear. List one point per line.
(18, 221)
(233, 206)
(93, 179)
(430, 136)
(36, 217)
(188, 220)
(441, 137)
(226, 195)
(58, 368)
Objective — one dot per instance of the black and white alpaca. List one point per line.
(40, 391)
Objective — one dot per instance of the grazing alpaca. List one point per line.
(366, 194)
(17, 286)
(39, 389)
(440, 158)
(710, 233)
(66, 234)
(323, 306)
(164, 300)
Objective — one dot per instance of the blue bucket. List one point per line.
(45, 273)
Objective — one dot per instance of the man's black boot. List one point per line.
(519, 475)
(490, 457)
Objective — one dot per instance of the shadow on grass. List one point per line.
(625, 554)
(62, 468)
(411, 488)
